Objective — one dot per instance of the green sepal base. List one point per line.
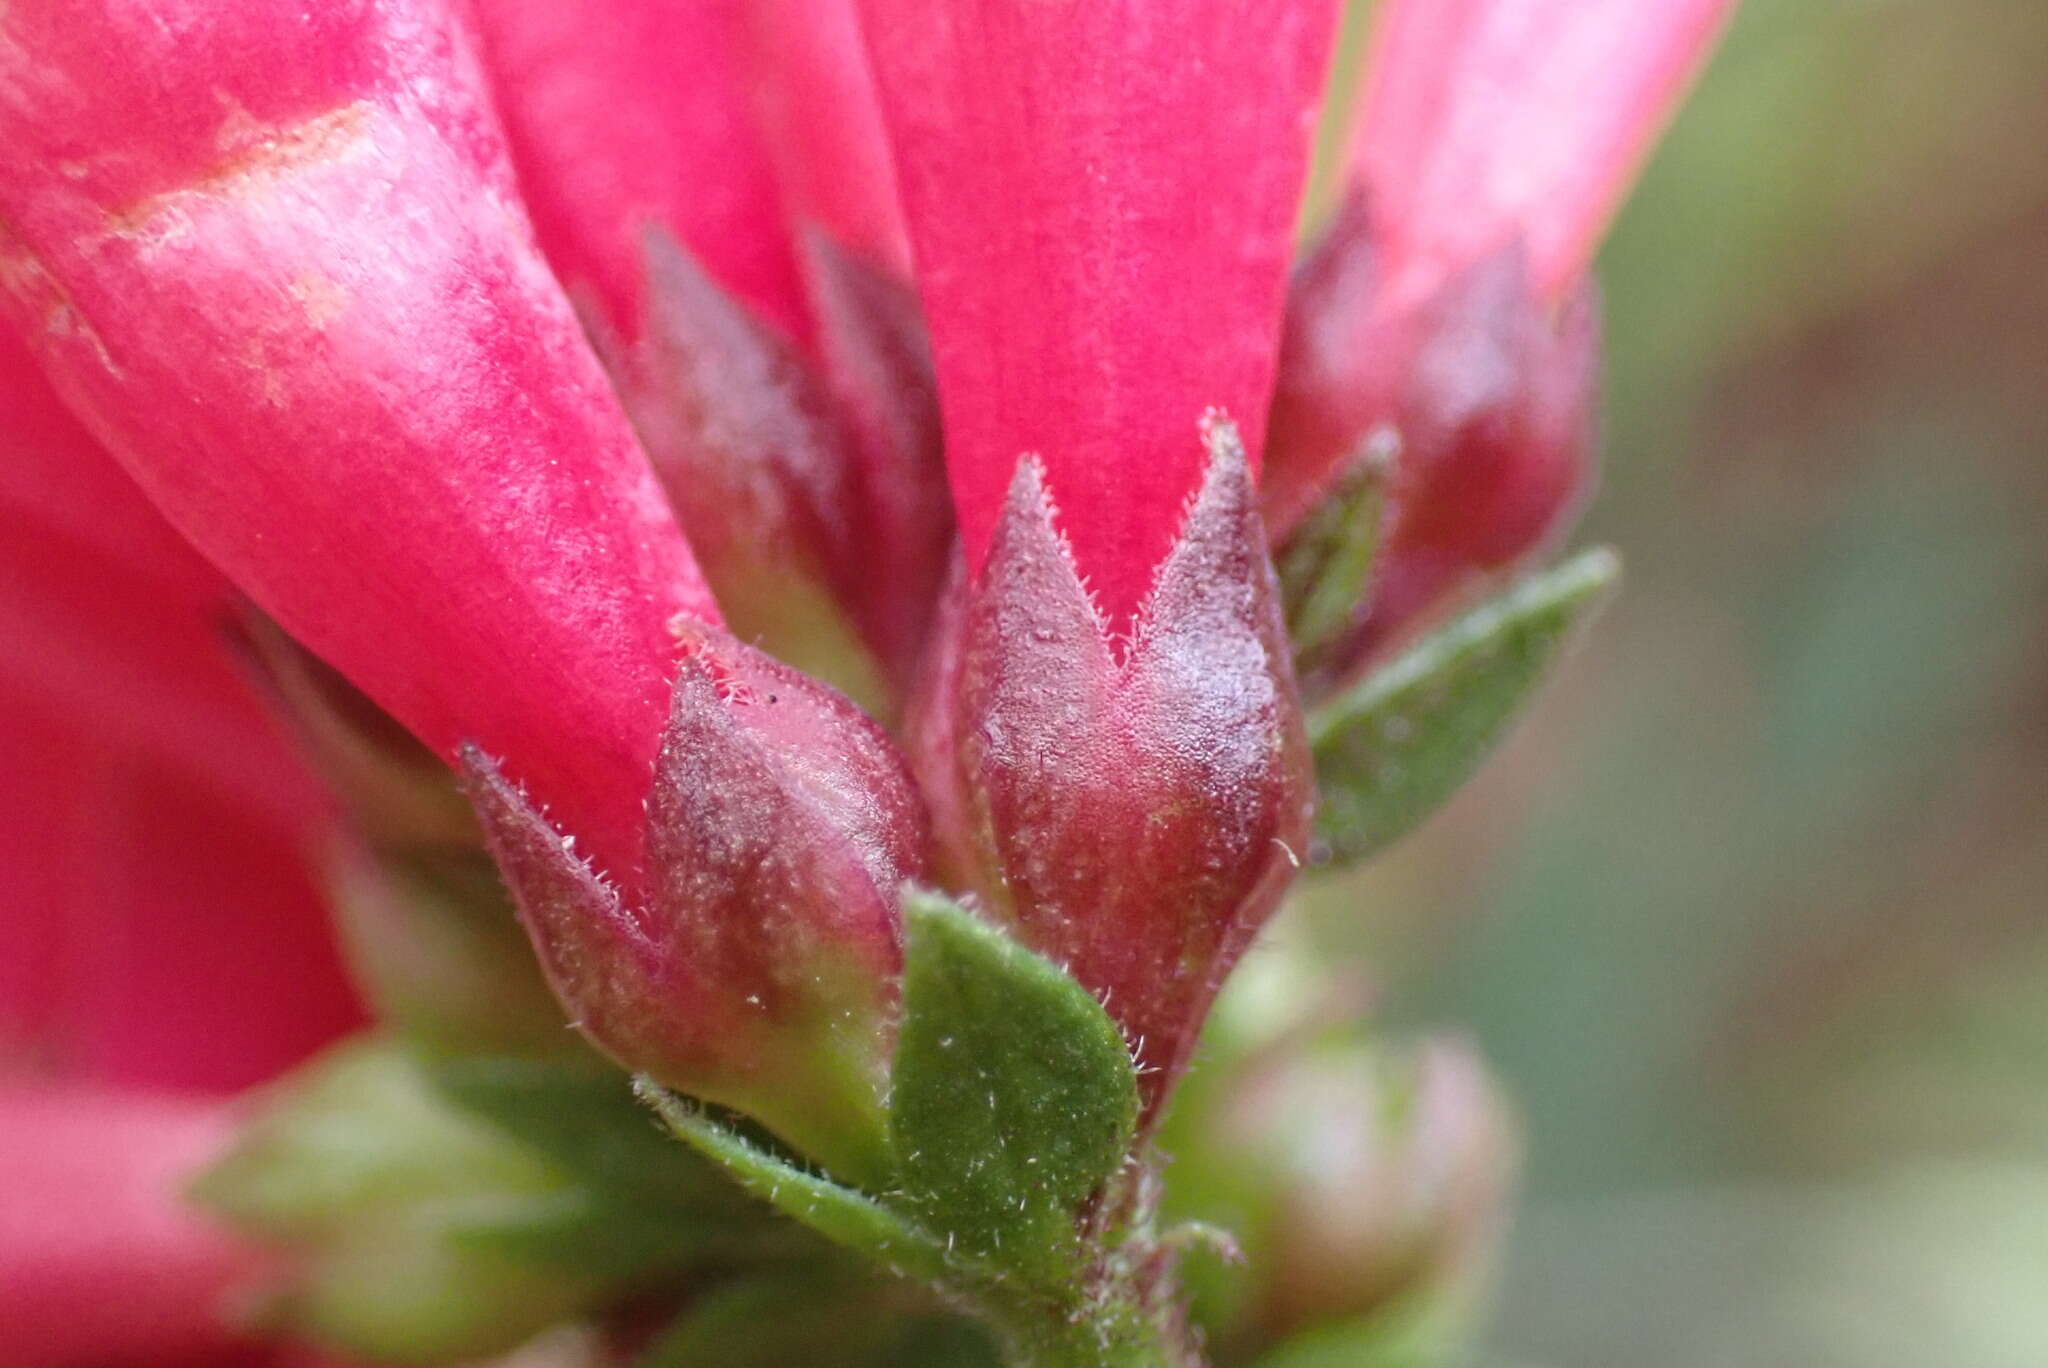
(1000, 1053)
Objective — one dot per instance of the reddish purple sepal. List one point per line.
(1492, 391)
(760, 970)
(1132, 808)
(754, 457)
(872, 339)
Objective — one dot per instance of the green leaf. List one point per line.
(602, 1239)
(584, 1116)
(1013, 1096)
(768, 1322)
(841, 1214)
(807, 1315)
(1391, 749)
(360, 1130)
(1326, 566)
(938, 1341)
(365, 1173)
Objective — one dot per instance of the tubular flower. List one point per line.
(1114, 709)
(160, 838)
(1096, 280)
(92, 1179)
(660, 195)
(303, 309)
(816, 98)
(820, 114)
(626, 113)
(586, 384)
(308, 315)
(1447, 303)
(163, 937)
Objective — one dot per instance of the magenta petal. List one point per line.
(154, 929)
(100, 1261)
(625, 113)
(54, 475)
(144, 667)
(1490, 119)
(1101, 200)
(817, 103)
(300, 304)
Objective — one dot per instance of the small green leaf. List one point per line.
(1013, 1097)
(809, 1315)
(599, 1239)
(584, 1116)
(1390, 750)
(1326, 566)
(798, 1316)
(841, 1214)
(359, 1168)
(359, 1130)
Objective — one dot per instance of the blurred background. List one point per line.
(1751, 917)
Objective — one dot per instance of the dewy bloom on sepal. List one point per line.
(758, 970)
(1132, 807)
(758, 465)
(300, 304)
(1448, 299)
(1109, 729)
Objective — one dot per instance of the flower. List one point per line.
(590, 385)
(688, 207)
(1448, 300)
(305, 312)
(1111, 737)
(93, 1176)
(163, 938)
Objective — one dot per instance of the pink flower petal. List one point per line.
(147, 668)
(300, 304)
(99, 1259)
(55, 475)
(623, 113)
(154, 930)
(1101, 199)
(817, 102)
(1488, 119)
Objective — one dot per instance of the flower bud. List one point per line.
(758, 971)
(1132, 806)
(377, 1198)
(1491, 391)
(1368, 1179)
(758, 465)
(877, 355)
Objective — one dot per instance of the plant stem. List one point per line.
(1122, 1337)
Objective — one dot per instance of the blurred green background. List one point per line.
(1752, 915)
